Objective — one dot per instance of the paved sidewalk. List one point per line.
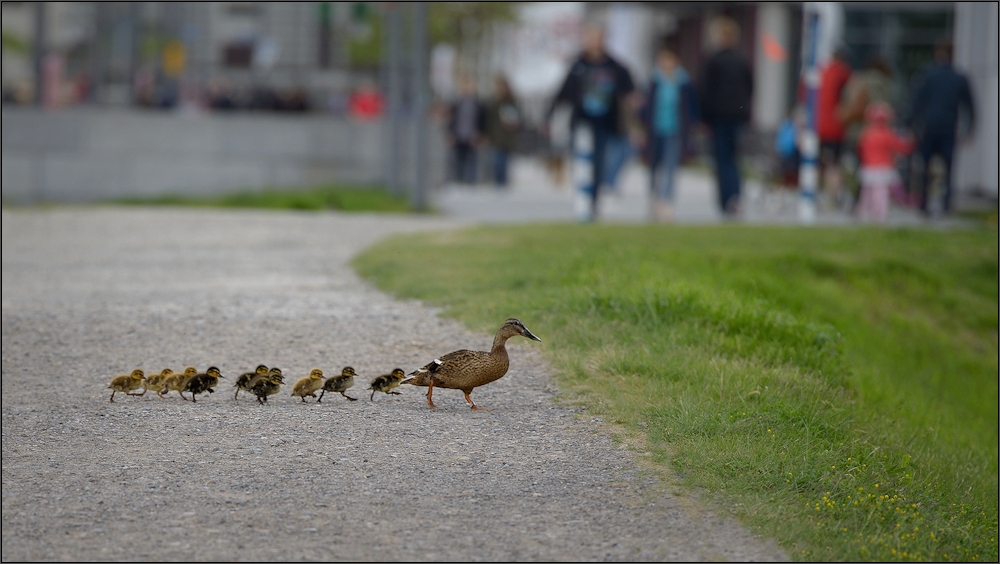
(91, 292)
(534, 196)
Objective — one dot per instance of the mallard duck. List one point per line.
(201, 383)
(176, 382)
(308, 385)
(125, 383)
(386, 383)
(243, 381)
(465, 369)
(340, 384)
(155, 382)
(266, 385)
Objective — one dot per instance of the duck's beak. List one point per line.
(531, 335)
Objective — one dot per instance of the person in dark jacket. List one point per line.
(671, 106)
(466, 127)
(940, 95)
(596, 87)
(726, 92)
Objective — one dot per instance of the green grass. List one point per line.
(835, 388)
(326, 197)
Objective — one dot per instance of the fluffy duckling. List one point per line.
(308, 385)
(340, 384)
(243, 381)
(465, 369)
(125, 383)
(157, 382)
(386, 383)
(201, 383)
(267, 385)
(176, 382)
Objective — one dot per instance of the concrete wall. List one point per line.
(88, 154)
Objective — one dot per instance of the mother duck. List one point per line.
(465, 369)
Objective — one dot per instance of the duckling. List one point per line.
(308, 385)
(340, 384)
(126, 383)
(176, 382)
(386, 383)
(269, 385)
(201, 383)
(465, 369)
(243, 382)
(157, 382)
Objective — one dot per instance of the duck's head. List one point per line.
(213, 371)
(261, 369)
(398, 373)
(513, 326)
(190, 371)
(348, 371)
(166, 372)
(315, 373)
(275, 374)
(137, 374)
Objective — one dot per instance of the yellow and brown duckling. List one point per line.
(340, 384)
(308, 385)
(125, 383)
(386, 383)
(176, 382)
(465, 369)
(265, 386)
(157, 382)
(201, 383)
(243, 382)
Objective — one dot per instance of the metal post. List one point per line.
(420, 129)
(394, 87)
(39, 53)
(809, 142)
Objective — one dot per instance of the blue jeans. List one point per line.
(667, 157)
(617, 153)
(724, 136)
(465, 162)
(501, 159)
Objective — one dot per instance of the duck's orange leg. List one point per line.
(430, 391)
(474, 406)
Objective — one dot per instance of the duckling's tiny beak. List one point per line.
(531, 335)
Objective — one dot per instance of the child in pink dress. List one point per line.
(878, 147)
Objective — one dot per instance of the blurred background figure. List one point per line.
(595, 87)
(940, 95)
(726, 90)
(878, 147)
(671, 107)
(503, 123)
(466, 127)
(366, 102)
(829, 125)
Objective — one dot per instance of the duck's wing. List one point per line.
(453, 357)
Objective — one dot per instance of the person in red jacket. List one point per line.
(878, 147)
(830, 128)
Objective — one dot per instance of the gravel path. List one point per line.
(88, 293)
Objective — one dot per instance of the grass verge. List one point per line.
(837, 388)
(326, 197)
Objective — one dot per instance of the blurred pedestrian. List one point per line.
(366, 102)
(671, 105)
(835, 76)
(878, 147)
(466, 128)
(597, 87)
(726, 91)
(940, 94)
(503, 122)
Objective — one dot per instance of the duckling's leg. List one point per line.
(113, 396)
(346, 396)
(181, 392)
(474, 406)
(430, 392)
(320, 399)
(237, 396)
(372, 397)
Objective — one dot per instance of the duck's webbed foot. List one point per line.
(473, 404)
(348, 397)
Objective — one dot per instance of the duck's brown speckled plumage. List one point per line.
(339, 384)
(244, 381)
(201, 383)
(465, 369)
